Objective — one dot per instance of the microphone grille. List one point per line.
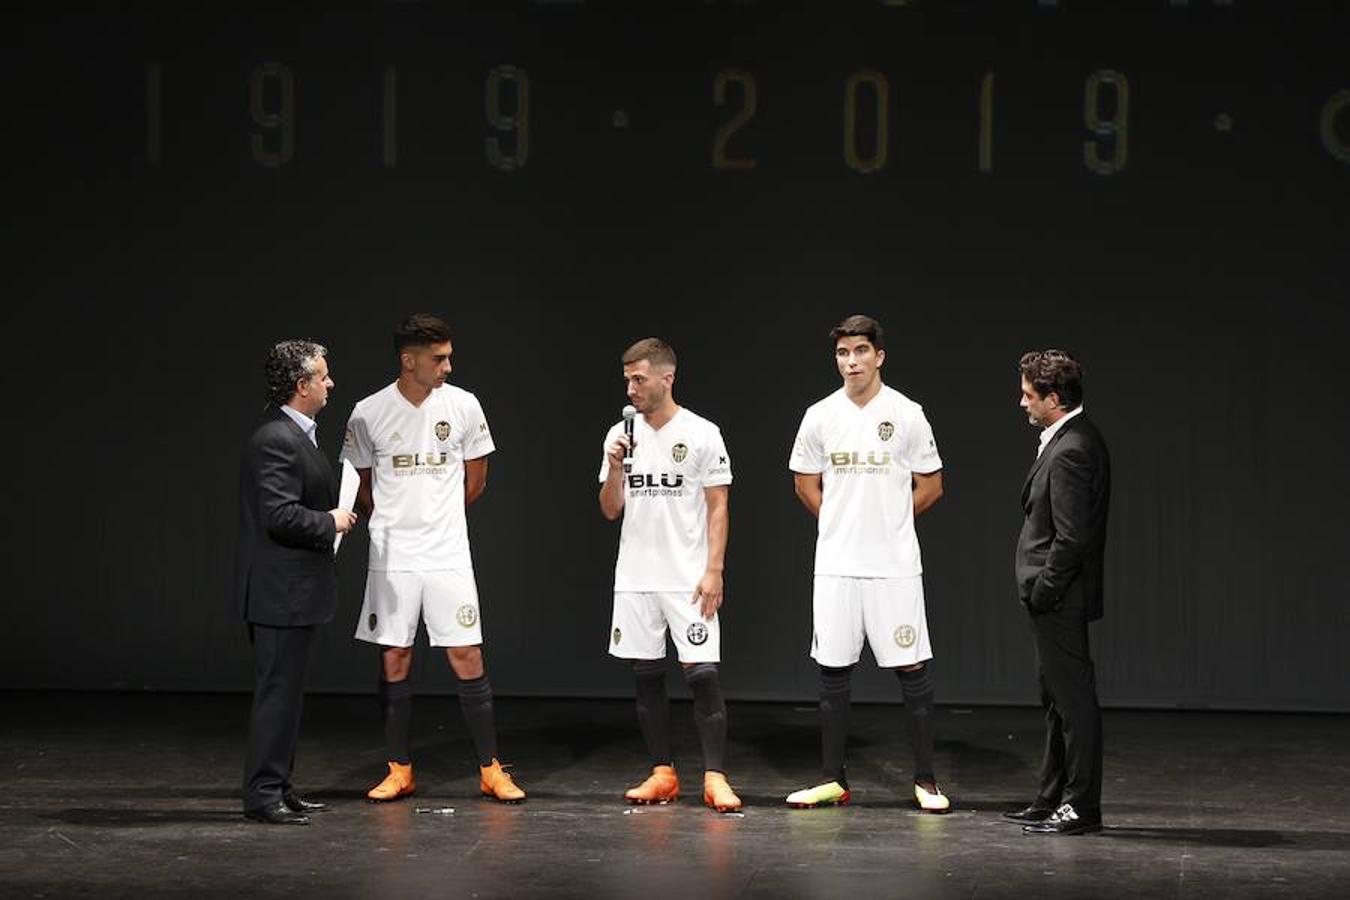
(629, 411)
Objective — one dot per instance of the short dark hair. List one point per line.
(1054, 372)
(289, 363)
(656, 351)
(420, 330)
(859, 326)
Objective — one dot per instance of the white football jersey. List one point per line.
(416, 456)
(866, 459)
(663, 545)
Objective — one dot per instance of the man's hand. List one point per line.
(615, 451)
(709, 594)
(343, 519)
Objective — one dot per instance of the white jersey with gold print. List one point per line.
(866, 458)
(416, 455)
(663, 545)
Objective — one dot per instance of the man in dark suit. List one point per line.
(285, 580)
(1059, 579)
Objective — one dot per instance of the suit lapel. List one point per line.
(315, 455)
(1045, 454)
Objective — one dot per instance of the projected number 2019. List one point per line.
(866, 114)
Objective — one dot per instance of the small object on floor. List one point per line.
(435, 810)
(831, 793)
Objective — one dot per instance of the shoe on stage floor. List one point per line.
(1066, 820)
(297, 804)
(718, 795)
(662, 786)
(276, 814)
(398, 783)
(831, 793)
(496, 782)
(933, 801)
(1030, 815)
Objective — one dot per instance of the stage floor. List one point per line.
(113, 795)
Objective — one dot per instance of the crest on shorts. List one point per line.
(370, 622)
(466, 615)
(679, 452)
(618, 636)
(905, 636)
(442, 430)
(697, 634)
(886, 430)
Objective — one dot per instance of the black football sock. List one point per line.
(917, 689)
(475, 701)
(710, 714)
(835, 699)
(653, 709)
(396, 710)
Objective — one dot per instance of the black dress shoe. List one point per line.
(1031, 815)
(297, 804)
(1066, 820)
(276, 814)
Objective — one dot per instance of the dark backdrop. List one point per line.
(1180, 225)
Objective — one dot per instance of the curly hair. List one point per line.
(289, 363)
(1054, 372)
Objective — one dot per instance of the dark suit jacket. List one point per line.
(284, 570)
(1063, 539)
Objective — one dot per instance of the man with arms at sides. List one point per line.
(421, 446)
(1059, 569)
(865, 464)
(672, 547)
(285, 580)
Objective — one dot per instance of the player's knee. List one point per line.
(700, 673)
(467, 662)
(649, 668)
(396, 661)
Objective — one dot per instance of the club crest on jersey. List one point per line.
(905, 636)
(679, 452)
(886, 430)
(370, 622)
(697, 634)
(349, 438)
(466, 615)
(442, 430)
(618, 636)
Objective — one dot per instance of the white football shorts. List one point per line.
(888, 612)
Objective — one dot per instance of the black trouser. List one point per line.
(1071, 771)
(280, 656)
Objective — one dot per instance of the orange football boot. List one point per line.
(662, 786)
(496, 782)
(718, 795)
(398, 783)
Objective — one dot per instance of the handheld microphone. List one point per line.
(629, 413)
